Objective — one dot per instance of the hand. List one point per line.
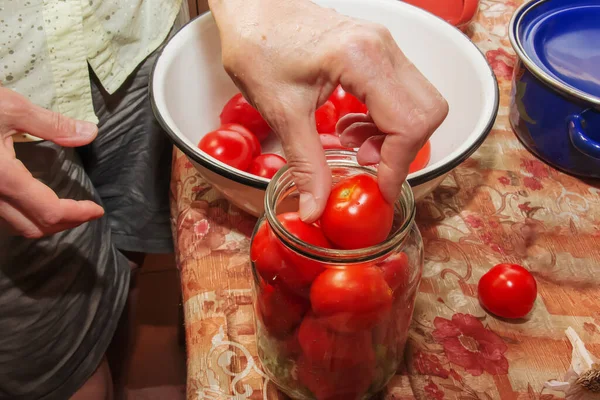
(288, 56)
(27, 206)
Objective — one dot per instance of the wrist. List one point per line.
(247, 18)
(235, 15)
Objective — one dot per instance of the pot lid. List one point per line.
(561, 38)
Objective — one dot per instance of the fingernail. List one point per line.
(349, 143)
(85, 129)
(308, 207)
(368, 156)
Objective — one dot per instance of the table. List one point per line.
(501, 205)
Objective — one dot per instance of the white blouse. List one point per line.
(46, 46)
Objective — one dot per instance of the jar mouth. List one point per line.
(343, 162)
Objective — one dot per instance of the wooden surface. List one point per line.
(197, 7)
(501, 205)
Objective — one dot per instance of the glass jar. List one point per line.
(352, 352)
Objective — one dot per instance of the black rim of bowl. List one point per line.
(261, 183)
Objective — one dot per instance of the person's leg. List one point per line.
(122, 345)
(129, 164)
(98, 387)
(60, 296)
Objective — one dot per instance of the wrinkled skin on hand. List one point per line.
(27, 206)
(288, 56)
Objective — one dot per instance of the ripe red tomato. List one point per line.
(239, 111)
(508, 291)
(279, 310)
(249, 136)
(349, 384)
(274, 261)
(422, 158)
(229, 147)
(331, 141)
(266, 165)
(331, 350)
(396, 270)
(289, 346)
(346, 103)
(299, 271)
(265, 253)
(326, 117)
(352, 298)
(356, 214)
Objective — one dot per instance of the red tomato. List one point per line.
(333, 351)
(346, 103)
(326, 117)
(331, 141)
(274, 261)
(265, 253)
(249, 136)
(279, 310)
(239, 111)
(508, 291)
(229, 147)
(422, 158)
(356, 214)
(266, 165)
(349, 384)
(352, 298)
(299, 271)
(396, 270)
(290, 347)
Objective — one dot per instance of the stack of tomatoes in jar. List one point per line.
(237, 142)
(334, 299)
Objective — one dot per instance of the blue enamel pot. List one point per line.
(555, 96)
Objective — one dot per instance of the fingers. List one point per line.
(407, 103)
(34, 210)
(347, 120)
(45, 209)
(356, 134)
(21, 115)
(403, 105)
(75, 212)
(307, 163)
(18, 223)
(396, 154)
(331, 142)
(393, 165)
(370, 151)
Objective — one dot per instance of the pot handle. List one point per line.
(468, 12)
(588, 120)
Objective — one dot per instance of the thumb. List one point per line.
(25, 116)
(307, 164)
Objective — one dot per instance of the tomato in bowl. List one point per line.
(192, 107)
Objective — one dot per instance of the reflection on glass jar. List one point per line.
(331, 324)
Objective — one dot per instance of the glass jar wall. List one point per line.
(332, 324)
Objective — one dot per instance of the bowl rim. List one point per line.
(417, 178)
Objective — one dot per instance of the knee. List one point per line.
(98, 387)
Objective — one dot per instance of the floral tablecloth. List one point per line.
(501, 205)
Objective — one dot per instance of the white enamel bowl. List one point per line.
(189, 88)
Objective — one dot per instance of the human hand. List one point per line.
(288, 56)
(27, 206)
